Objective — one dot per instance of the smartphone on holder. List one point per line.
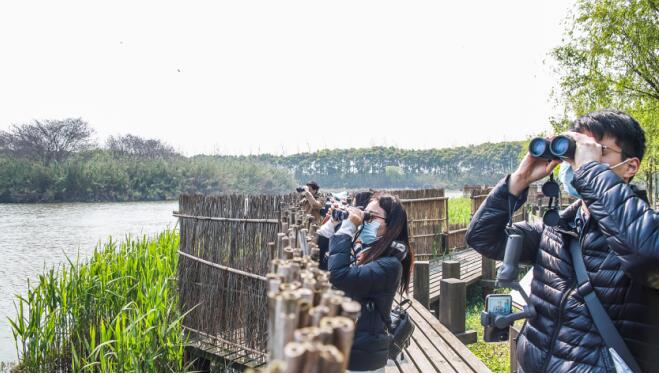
(497, 304)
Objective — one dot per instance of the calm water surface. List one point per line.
(34, 237)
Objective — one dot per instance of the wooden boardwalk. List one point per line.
(471, 263)
(434, 348)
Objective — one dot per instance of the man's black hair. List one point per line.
(622, 127)
(313, 185)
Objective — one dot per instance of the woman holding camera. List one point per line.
(381, 268)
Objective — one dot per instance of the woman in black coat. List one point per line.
(373, 275)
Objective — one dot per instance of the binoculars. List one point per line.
(340, 215)
(558, 148)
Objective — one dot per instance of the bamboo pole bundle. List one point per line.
(311, 326)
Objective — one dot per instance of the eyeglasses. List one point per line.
(369, 216)
(607, 148)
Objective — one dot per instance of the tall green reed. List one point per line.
(459, 210)
(117, 312)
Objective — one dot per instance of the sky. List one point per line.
(246, 77)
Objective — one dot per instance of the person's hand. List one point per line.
(306, 188)
(530, 170)
(587, 150)
(356, 216)
(329, 215)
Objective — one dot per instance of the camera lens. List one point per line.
(339, 215)
(538, 147)
(560, 146)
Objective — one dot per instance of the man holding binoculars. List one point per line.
(310, 201)
(617, 233)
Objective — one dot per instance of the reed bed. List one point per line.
(117, 312)
(459, 211)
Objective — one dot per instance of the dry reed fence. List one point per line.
(222, 267)
(455, 237)
(427, 216)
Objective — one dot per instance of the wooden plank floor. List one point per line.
(470, 271)
(434, 348)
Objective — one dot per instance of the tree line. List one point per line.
(56, 161)
(389, 167)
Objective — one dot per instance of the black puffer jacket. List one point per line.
(374, 282)
(620, 243)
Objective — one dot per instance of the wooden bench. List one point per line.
(433, 348)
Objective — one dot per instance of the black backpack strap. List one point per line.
(600, 317)
(387, 322)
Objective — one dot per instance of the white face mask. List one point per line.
(618, 165)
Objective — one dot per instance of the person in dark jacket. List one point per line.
(619, 236)
(374, 275)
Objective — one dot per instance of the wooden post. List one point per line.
(422, 283)
(450, 269)
(446, 223)
(452, 305)
(474, 204)
(489, 275)
(513, 332)
(452, 308)
(443, 242)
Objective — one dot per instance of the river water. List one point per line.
(34, 237)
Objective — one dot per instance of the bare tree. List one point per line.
(132, 145)
(48, 140)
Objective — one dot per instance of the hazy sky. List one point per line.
(284, 76)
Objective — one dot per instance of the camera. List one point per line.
(300, 189)
(325, 209)
(498, 315)
(558, 148)
(496, 305)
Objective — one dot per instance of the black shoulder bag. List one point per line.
(400, 327)
(601, 318)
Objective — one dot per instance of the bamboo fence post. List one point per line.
(311, 326)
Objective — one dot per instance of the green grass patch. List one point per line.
(496, 356)
(459, 211)
(118, 312)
